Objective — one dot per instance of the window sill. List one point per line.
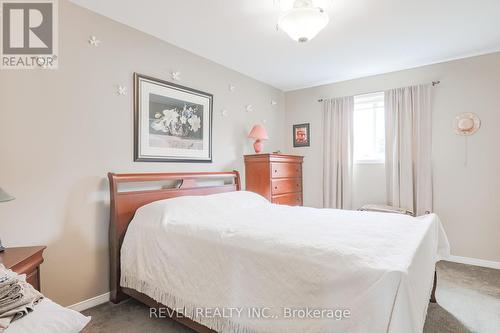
(369, 162)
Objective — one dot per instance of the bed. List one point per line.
(224, 260)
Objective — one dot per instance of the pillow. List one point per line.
(241, 198)
(191, 209)
(225, 200)
(49, 317)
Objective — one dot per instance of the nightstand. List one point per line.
(24, 260)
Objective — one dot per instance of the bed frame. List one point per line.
(122, 210)
(123, 207)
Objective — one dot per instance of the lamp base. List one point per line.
(258, 146)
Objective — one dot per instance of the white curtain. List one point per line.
(408, 148)
(337, 152)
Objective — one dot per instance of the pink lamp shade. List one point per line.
(258, 133)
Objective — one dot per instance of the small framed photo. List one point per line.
(173, 123)
(301, 135)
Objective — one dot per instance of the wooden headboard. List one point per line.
(125, 203)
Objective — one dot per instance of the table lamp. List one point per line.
(4, 196)
(258, 133)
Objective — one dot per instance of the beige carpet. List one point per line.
(468, 301)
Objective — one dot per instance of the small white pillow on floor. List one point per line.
(49, 317)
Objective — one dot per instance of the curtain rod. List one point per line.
(434, 83)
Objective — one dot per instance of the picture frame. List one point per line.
(301, 135)
(172, 123)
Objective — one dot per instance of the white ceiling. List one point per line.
(364, 37)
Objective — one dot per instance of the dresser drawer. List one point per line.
(290, 199)
(286, 185)
(286, 170)
(274, 176)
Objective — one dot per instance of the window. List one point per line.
(369, 128)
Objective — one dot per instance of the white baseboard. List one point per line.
(90, 303)
(475, 262)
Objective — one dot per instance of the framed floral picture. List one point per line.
(301, 135)
(172, 123)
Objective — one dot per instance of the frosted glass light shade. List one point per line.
(285, 5)
(4, 196)
(303, 23)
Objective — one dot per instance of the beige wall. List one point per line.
(62, 130)
(467, 198)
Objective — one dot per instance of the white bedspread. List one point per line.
(235, 254)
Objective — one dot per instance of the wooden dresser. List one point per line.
(277, 177)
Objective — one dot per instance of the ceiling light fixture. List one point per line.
(304, 21)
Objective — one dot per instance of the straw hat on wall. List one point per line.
(466, 123)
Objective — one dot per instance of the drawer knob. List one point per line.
(276, 187)
(275, 170)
